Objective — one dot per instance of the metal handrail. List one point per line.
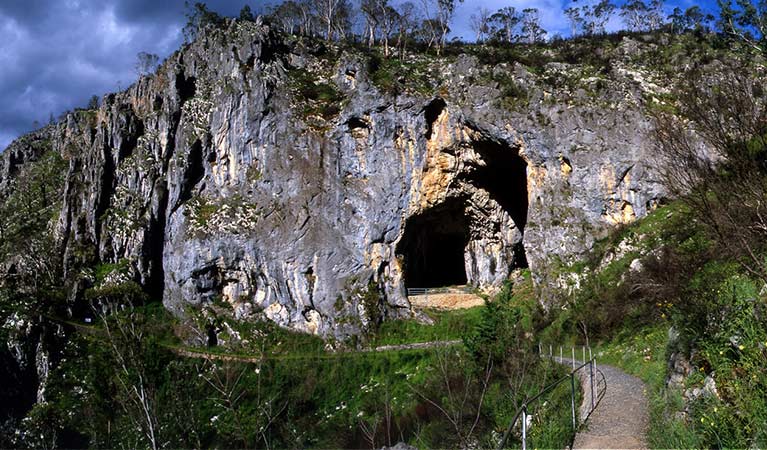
(440, 290)
(600, 393)
(595, 400)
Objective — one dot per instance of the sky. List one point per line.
(56, 54)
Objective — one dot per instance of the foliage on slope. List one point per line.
(686, 285)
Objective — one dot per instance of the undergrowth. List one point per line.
(658, 289)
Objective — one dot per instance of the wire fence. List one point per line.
(592, 381)
(441, 290)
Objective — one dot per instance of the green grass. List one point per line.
(552, 419)
(316, 98)
(392, 75)
(448, 325)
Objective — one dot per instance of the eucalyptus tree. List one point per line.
(532, 32)
(439, 15)
(640, 16)
(480, 24)
(691, 19)
(406, 25)
(504, 23)
(745, 21)
(369, 9)
(576, 20)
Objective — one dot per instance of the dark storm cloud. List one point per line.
(54, 55)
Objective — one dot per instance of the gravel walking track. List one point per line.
(621, 418)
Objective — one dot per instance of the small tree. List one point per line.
(589, 19)
(146, 63)
(458, 393)
(576, 21)
(130, 346)
(480, 24)
(369, 9)
(725, 187)
(291, 17)
(504, 24)
(746, 22)
(634, 14)
(600, 14)
(655, 15)
(246, 14)
(389, 20)
(93, 103)
(406, 25)
(329, 12)
(439, 15)
(692, 19)
(198, 16)
(532, 31)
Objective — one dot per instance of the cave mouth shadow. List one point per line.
(504, 177)
(433, 245)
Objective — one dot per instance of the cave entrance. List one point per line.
(504, 177)
(433, 246)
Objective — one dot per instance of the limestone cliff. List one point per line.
(290, 179)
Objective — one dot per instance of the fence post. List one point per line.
(524, 427)
(573, 358)
(550, 352)
(572, 398)
(590, 354)
(560, 353)
(591, 367)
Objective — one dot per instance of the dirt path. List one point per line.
(621, 418)
(414, 345)
(213, 356)
(448, 300)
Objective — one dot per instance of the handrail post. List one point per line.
(595, 364)
(572, 399)
(573, 358)
(591, 367)
(524, 427)
(551, 354)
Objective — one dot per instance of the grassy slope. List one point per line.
(716, 311)
(329, 395)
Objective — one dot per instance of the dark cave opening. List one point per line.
(433, 246)
(434, 242)
(186, 87)
(194, 172)
(504, 177)
(431, 114)
(355, 123)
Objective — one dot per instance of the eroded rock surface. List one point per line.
(228, 175)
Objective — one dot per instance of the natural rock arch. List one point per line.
(464, 239)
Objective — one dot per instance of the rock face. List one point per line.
(283, 179)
